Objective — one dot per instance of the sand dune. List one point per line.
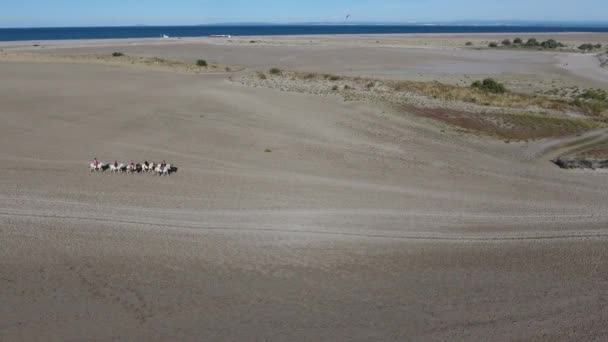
(362, 223)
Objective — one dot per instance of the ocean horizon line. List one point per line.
(479, 23)
(203, 30)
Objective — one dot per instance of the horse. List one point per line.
(117, 168)
(163, 171)
(93, 167)
(131, 168)
(147, 168)
(167, 170)
(99, 167)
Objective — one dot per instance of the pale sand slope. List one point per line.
(362, 224)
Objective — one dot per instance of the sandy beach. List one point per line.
(293, 216)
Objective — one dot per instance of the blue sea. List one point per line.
(20, 34)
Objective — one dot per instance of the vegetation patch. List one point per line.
(275, 71)
(486, 107)
(332, 77)
(490, 85)
(117, 54)
(593, 101)
(486, 93)
(507, 126)
(590, 47)
(530, 43)
(202, 63)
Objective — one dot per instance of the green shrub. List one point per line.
(550, 44)
(118, 54)
(506, 42)
(493, 44)
(594, 101)
(532, 42)
(594, 94)
(201, 63)
(469, 44)
(490, 85)
(334, 88)
(275, 71)
(586, 47)
(517, 41)
(598, 46)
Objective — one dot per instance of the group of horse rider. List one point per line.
(132, 166)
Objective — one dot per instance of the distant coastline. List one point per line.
(141, 31)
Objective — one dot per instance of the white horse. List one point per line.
(131, 169)
(117, 168)
(93, 167)
(148, 168)
(167, 170)
(163, 171)
(97, 168)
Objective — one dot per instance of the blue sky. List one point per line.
(31, 13)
